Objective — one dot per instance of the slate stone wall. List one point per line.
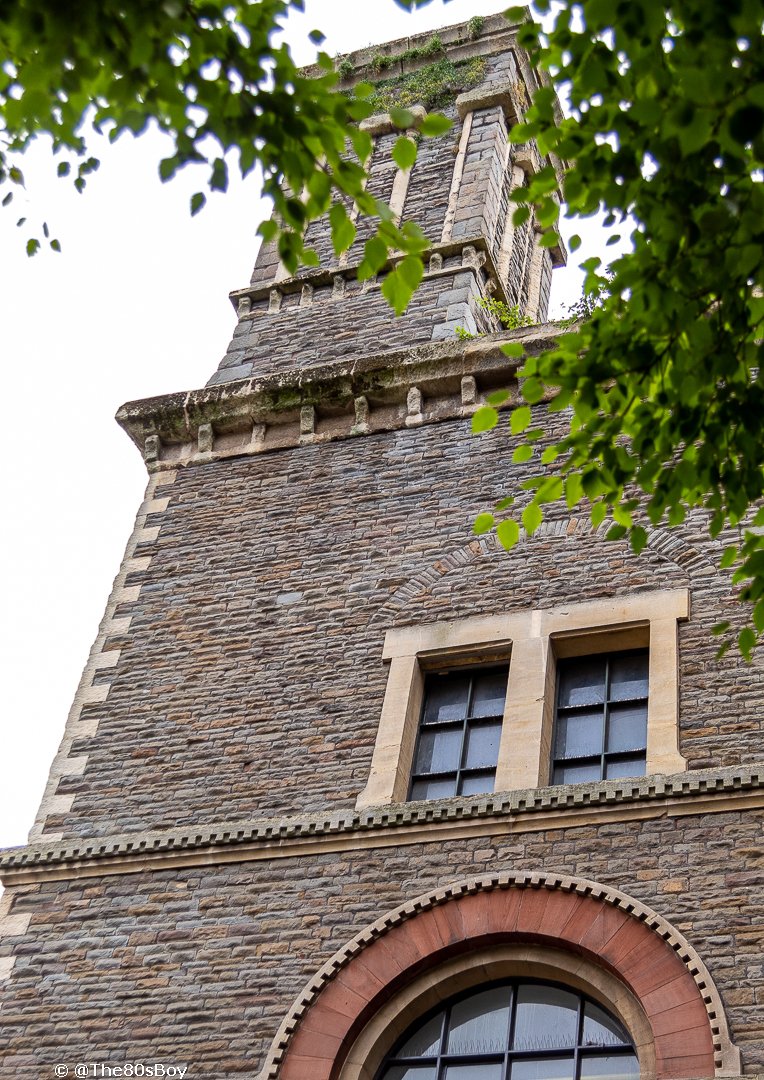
(199, 966)
(250, 682)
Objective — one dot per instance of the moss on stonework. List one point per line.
(434, 86)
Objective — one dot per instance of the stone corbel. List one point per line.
(382, 123)
(486, 97)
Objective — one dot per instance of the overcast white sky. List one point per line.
(136, 305)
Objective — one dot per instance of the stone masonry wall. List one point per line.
(258, 560)
(296, 330)
(336, 324)
(199, 966)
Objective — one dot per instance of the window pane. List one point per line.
(483, 745)
(577, 774)
(601, 1029)
(446, 697)
(579, 734)
(433, 789)
(543, 1069)
(480, 1024)
(627, 728)
(631, 767)
(582, 681)
(628, 677)
(489, 692)
(439, 751)
(610, 1067)
(479, 784)
(426, 1041)
(483, 1071)
(546, 1019)
(410, 1072)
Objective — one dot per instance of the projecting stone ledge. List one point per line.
(699, 792)
(438, 381)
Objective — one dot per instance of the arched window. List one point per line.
(514, 1031)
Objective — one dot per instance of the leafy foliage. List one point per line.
(433, 86)
(509, 316)
(664, 382)
(211, 77)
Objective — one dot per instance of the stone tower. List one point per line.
(346, 792)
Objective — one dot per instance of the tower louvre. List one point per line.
(338, 772)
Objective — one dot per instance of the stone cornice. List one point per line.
(570, 806)
(340, 399)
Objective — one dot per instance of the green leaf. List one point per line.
(746, 641)
(343, 229)
(435, 124)
(402, 118)
(532, 517)
(404, 152)
(729, 556)
(597, 514)
(574, 490)
(508, 533)
(505, 503)
(197, 202)
(520, 419)
(513, 349)
(33, 246)
(483, 524)
(523, 453)
(219, 177)
(375, 257)
(638, 539)
(497, 397)
(483, 419)
(532, 390)
(616, 532)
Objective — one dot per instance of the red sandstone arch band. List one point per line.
(596, 939)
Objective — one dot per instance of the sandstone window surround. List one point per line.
(531, 641)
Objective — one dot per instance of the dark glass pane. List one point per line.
(610, 1067)
(483, 1071)
(546, 1019)
(410, 1072)
(446, 698)
(627, 728)
(543, 1069)
(483, 746)
(439, 751)
(628, 677)
(582, 681)
(601, 1029)
(425, 1042)
(433, 789)
(480, 1024)
(577, 774)
(635, 766)
(579, 734)
(489, 692)
(479, 784)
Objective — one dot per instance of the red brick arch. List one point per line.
(659, 968)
